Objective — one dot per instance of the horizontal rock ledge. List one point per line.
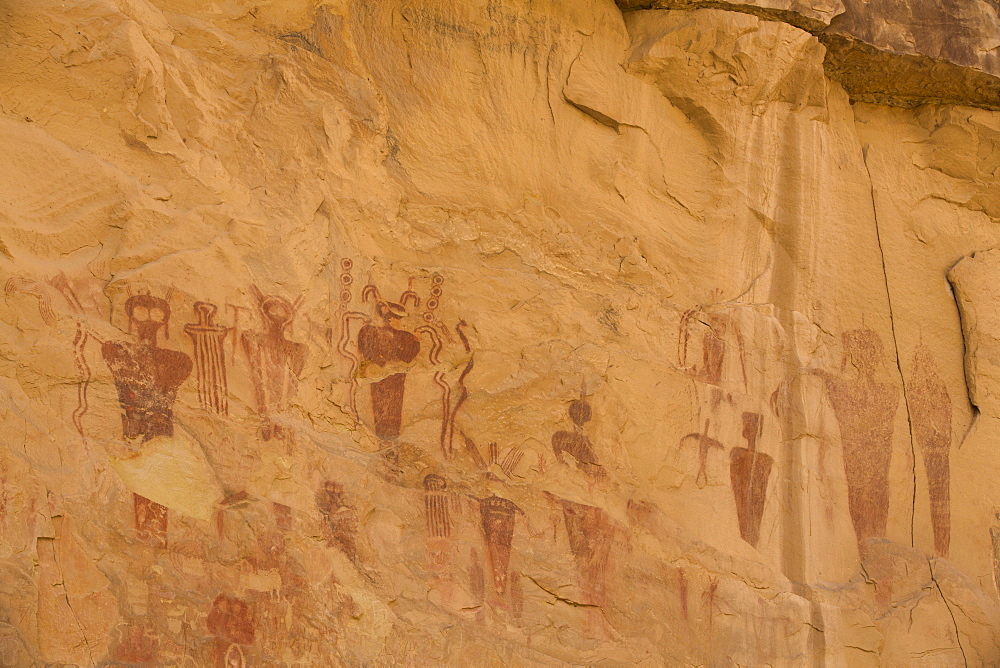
(904, 63)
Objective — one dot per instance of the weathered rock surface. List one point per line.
(890, 52)
(488, 333)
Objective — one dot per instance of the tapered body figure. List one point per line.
(497, 515)
(931, 415)
(276, 362)
(382, 345)
(749, 471)
(865, 408)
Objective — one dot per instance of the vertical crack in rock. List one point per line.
(951, 613)
(967, 322)
(895, 345)
(69, 604)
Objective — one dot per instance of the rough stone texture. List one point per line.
(489, 333)
(963, 32)
(890, 52)
(804, 14)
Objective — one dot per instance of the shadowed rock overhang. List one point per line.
(896, 54)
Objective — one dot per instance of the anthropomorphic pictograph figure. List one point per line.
(276, 362)
(436, 506)
(749, 471)
(719, 326)
(341, 519)
(210, 358)
(384, 345)
(390, 338)
(232, 622)
(591, 535)
(930, 411)
(147, 378)
(437, 511)
(865, 408)
(705, 445)
(497, 515)
(576, 442)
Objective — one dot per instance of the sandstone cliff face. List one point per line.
(499, 332)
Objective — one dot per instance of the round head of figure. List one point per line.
(277, 311)
(751, 425)
(330, 497)
(435, 483)
(147, 314)
(717, 323)
(579, 412)
(388, 311)
(864, 348)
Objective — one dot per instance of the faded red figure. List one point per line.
(341, 519)
(865, 408)
(719, 326)
(232, 622)
(576, 442)
(436, 506)
(139, 645)
(497, 515)
(591, 533)
(276, 362)
(147, 378)
(382, 345)
(931, 414)
(705, 445)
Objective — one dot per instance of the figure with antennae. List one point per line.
(276, 362)
(387, 343)
(147, 378)
(576, 442)
(385, 346)
(719, 325)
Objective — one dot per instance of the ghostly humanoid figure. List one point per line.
(865, 408)
(275, 361)
(147, 377)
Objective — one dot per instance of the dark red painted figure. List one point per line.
(380, 345)
(576, 442)
(748, 472)
(147, 378)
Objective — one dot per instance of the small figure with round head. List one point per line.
(576, 442)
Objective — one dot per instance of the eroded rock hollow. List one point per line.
(499, 332)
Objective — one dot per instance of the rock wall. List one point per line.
(499, 332)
